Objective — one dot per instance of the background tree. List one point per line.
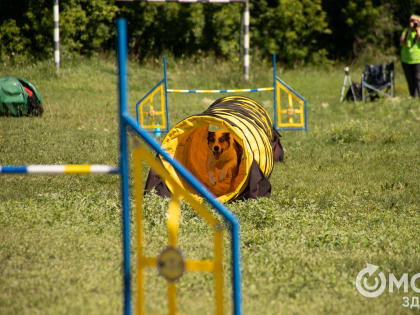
(298, 31)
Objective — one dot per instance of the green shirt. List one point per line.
(410, 50)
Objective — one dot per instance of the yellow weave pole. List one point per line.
(301, 111)
(162, 106)
(174, 215)
(152, 112)
(138, 184)
(278, 94)
(171, 298)
(290, 110)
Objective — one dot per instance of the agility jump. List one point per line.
(290, 108)
(172, 252)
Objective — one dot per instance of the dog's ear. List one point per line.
(226, 137)
(211, 136)
(238, 149)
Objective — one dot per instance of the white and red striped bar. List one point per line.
(59, 169)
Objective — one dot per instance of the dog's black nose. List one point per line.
(216, 148)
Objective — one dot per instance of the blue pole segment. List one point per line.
(195, 184)
(236, 270)
(166, 94)
(122, 81)
(274, 91)
(13, 169)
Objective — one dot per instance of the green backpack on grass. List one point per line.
(19, 97)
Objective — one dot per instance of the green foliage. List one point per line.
(360, 26)
(292, 29)
(86, 26)
(156, 28)
(182, 29)
(226, 23)
(11, 40)
(298, 31)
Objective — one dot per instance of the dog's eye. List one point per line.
(210, 136)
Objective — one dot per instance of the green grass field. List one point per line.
(347, 194)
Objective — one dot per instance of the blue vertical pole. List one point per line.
(124, 169)
(236, 269)
(274, 91)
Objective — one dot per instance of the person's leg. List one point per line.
(409, 75)
(417, 79)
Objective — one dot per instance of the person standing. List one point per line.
(410, 54)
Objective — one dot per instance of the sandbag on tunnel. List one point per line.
(249, 124)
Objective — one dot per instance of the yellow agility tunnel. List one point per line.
(249, 124)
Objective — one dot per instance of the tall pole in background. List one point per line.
(245, 19)
(56, 36)
(246, 40)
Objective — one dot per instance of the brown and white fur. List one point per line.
(224, 154)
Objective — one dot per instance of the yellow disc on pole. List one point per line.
(171, 264)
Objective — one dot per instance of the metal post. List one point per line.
(363, 89)
(56, 35)
(246, 40)
(124, 169)
(236, 268)
(347, 80)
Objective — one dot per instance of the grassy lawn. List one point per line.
(347, 194)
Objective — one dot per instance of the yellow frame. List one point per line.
(290, 110)
(174, 214)
(152, 113)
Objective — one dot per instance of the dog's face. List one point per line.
(218, 141)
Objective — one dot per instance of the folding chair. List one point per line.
(378, 79)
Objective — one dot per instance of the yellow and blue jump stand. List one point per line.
(291, 122)
(287, 116)
(172, 253)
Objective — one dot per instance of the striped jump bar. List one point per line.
(59, 169)
(220, 91)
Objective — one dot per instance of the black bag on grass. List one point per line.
(19, 97)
